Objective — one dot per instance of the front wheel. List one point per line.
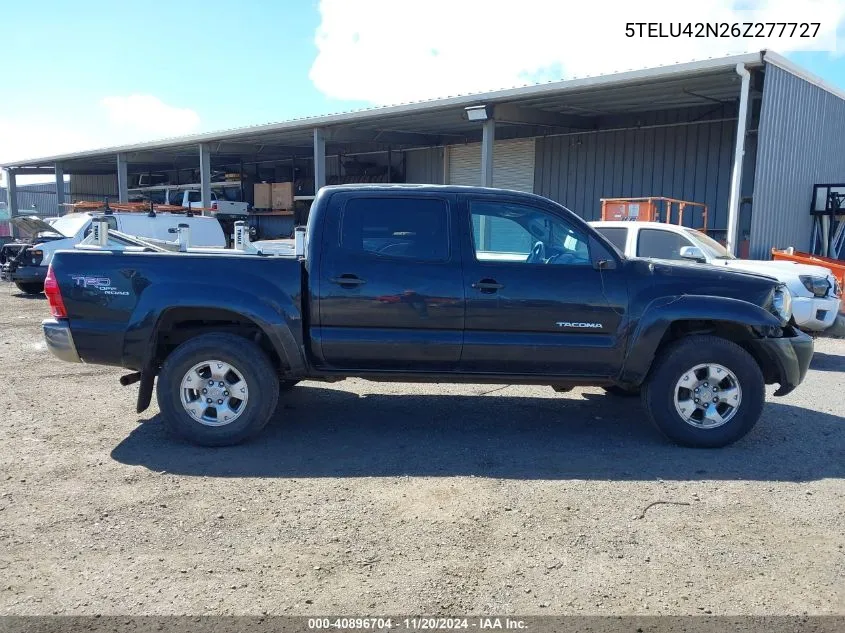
(705, 392)
(217, 390)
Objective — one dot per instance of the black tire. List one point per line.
(244, 356)
(658, 395)
(621, 392)
(30, 287)
(287, 385)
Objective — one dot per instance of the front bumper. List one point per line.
(59, 340)
(788, 356)
(815, 313)
(23, 274)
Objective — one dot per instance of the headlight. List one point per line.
(782, 304)
(819, 286)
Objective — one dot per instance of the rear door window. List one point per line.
(616, 235)
(405, 228)
(660, 244)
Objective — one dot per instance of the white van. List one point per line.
(29, 267)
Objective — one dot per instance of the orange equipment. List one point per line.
(650, 209)
(133, 207)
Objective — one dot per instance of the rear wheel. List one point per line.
(704, 391)
(217, 390)
(30, 287)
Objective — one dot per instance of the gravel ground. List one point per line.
(400, 498)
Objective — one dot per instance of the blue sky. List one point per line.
(91, 73)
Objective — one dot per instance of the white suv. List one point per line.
(815, 291)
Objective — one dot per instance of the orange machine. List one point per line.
(651, 209)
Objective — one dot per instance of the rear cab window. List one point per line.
(402, 228)
(616, 235)
(660, 244)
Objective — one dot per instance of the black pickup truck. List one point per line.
(436, 284)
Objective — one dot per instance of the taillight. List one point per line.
(214, 206)
(54, 295)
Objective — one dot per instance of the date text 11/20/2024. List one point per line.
(417, 624)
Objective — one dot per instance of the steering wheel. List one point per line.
(537, 254)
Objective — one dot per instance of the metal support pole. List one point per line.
(12, 197)
(488, 138)
(122, 179)
(60, 189)
(319, 159)
(11, 193)
(205, 175)
(739, 153)
(389, 162)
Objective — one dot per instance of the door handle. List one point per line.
(348, 280)
(488, 286)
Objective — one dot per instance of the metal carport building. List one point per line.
(749, 135)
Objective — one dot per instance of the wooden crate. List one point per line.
(274, 212)
(262, 195)
(281, 196)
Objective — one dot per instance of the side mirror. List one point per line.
(694, 253)
(601, 258)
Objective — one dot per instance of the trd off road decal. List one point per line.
(103, 284)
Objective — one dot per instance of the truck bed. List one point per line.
(114, 299)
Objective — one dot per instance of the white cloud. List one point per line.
(150, 115)
(130, 119)
(30, 138)
(389, 51)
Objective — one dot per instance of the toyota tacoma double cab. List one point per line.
(428, 283)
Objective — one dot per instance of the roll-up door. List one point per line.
(513, 164)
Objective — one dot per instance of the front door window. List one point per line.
(520, 234)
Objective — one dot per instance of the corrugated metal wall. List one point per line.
(681, 158)
(801, 142)
(37, 199)
(424, 166)
(93, 187)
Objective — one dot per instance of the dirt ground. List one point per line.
(410, 499)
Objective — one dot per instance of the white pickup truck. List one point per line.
(815, 291)
(192, 199)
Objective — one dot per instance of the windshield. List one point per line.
(713, 248)
(70, 225)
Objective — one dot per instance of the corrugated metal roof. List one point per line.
(669, 86)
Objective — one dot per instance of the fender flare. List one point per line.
(274, 313)
(661, 313)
